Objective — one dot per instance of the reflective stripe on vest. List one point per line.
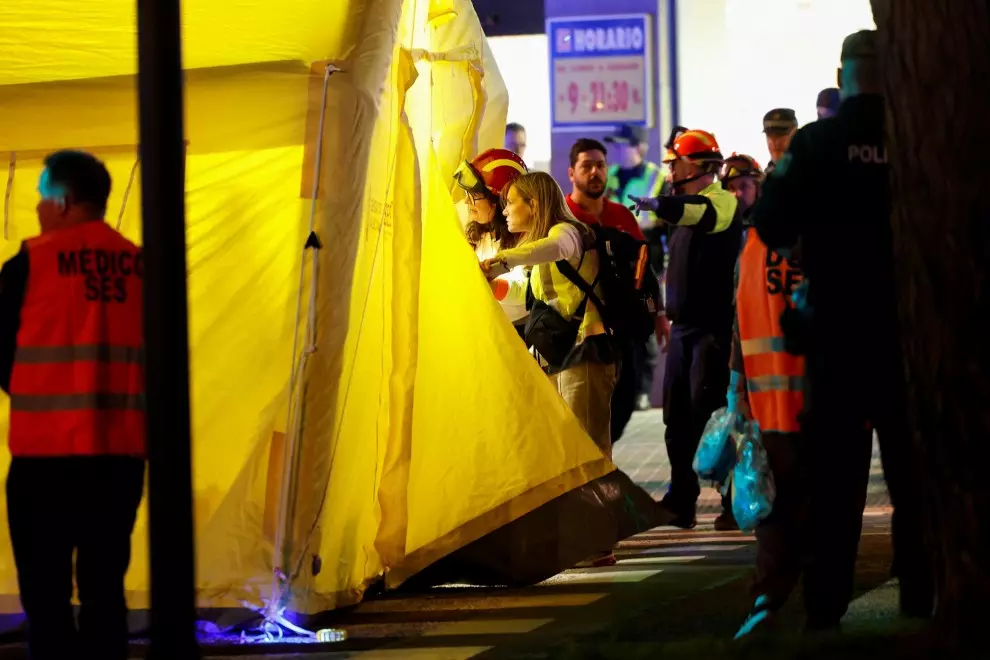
(77, 388)
(774, 378)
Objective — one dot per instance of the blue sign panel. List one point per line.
(600, 71)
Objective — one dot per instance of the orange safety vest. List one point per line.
(774, 377)
(77, 387)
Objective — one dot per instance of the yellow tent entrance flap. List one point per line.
(423, 424)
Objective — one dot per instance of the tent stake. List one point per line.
(162, 155)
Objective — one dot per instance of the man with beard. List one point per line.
(588, 174)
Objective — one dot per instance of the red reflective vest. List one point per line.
(774, 378)
(77, 387)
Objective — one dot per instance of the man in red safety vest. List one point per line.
(71, 359)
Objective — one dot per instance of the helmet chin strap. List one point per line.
(682, 182)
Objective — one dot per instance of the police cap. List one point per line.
(629, 134)
(779, 120)
(860, 45)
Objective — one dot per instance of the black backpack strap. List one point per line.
(568, 271)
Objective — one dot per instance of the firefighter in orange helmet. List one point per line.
(483, 180)
(703, 248)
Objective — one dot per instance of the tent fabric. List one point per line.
(424, 424)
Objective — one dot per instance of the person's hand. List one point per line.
(494, 267)
(663, 332)
(645, 203)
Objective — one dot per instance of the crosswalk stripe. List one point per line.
(659, 560)
(486, 627)
(434, 653)
(599, 577)
(477, 602)
(689, 548)
(715, 541)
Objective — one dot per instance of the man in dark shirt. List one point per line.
(588, 173)
(849, 335)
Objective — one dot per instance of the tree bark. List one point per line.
(935, 60)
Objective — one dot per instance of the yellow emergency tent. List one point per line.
(417, 423)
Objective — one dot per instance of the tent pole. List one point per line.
(162, 154)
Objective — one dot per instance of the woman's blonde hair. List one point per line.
(551, 207)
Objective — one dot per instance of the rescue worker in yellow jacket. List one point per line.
(766, 383)
(631, 174)
(704, 247)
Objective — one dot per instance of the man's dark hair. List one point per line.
(83, 175)
(584, 145)
(513, 127)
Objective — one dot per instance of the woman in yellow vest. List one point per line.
(585, 370)
(585, 377)
(767, 384)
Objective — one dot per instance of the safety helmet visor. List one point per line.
(469, 179)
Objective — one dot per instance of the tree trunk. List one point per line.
(936, 65)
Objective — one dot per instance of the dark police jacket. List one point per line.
(704, 246)
(830, 192)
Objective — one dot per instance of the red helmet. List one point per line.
(490, 172)
(740, 165)
(694, 145)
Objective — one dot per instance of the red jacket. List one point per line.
(613, 215)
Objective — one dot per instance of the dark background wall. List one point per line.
(506, 17)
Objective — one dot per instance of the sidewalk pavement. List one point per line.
(642, 455)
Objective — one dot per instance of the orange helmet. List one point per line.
(490, 172)
(694, 145)
(740, 165)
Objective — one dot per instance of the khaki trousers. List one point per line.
(587, 389)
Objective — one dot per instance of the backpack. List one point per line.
(629, 285)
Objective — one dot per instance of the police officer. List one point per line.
(631, 175)
(779, 126)
(850, 340)
(71, 356)
(704, 247)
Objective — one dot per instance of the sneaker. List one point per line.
(726, 522)
(758, 618)
(643, 402)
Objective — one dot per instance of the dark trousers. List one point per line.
(780, 536)
(84, 504)
(626, 387)
(635, 378)
(848, 397)
(695, 380)
(647, 358)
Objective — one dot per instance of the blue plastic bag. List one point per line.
(753, 489)
(717, 451)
